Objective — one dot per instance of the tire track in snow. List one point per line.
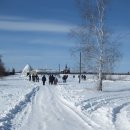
(117, 110)
(7, 120)
(115, 102)
(93, 104)
(85, 120)
(90, 107)
(59, 101)
(120, 116)
(48, 113)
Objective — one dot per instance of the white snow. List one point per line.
(26, 105)
(26, 69)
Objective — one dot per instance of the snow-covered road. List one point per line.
(49, 113)
(67, 106)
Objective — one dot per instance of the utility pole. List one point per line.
(59, 68)
(80, 69)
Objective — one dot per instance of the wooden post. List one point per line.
(59, 68)
(80, 69)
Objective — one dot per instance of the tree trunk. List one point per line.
(99, 84)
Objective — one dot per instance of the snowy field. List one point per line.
(25, 105)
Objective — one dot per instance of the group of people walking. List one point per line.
(53, 79)
(35, 78)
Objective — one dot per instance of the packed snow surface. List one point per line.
(27, 105)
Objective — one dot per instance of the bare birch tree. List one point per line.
(95, 42)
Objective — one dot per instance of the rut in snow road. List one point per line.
(48, 113)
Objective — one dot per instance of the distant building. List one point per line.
(66, 70)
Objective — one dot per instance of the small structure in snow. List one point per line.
(27, 69)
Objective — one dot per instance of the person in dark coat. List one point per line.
(49, 79)
(52, 79)
(65, 78)
(37, 78)
(29, 77)
(44, 79)
(55, 81)
(33, 77)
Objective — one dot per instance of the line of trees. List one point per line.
(2, 68)
(3, 71)
(98, 50)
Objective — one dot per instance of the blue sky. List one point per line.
(37, 32)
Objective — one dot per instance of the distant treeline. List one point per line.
(3, 71)
(6, 73)
(83, 73)
(9, 73)
(95, 73)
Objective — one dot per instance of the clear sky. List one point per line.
(37, 32)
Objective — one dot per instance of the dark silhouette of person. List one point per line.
(51, 79)
(33, 77)
(37, 78)
(29, 77)
(43, 79)
(84, 77)
(55, 81)
(65, 78)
